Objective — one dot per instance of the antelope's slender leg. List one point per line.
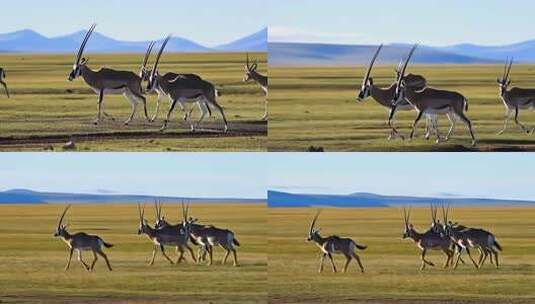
(210, 255)
(468, 126)
(348, 259)
(235, 255)
(447, 251)
(415, 123)
(144, 101)
(394, 131)
(322, 259)
(99, 106)
(5, 87)
(153, 255)
(211, 101)
(423, 259)
(94, 261)
(225, 257)
(157, 107)
(181, 254)
(82, 261)
(69, 259)
(471, 258)
(359, 262)
(202, 108)
(459, 252)
(519, 123)
(332, 261)
(453, 120)
(162, 249)
(265, 117)
(102, 254)
(192, 254)
(508, 113)
(133, 103)
(171, 108)
(495, 257)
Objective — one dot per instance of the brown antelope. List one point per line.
(164, 237)
(334, 245)
(81, 242)
(2, 80)
(383, 96)
(108, 81)
(182, 89)
(431, 101)
(261, 80)
(426, 241)
(514, 99)
(208, 236)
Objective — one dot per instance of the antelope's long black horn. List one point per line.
(155, 67)
(147, 54)
(84, 42)
(370, 66)
(63, 215)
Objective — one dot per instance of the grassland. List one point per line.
(44, 104)
(392, 265)
(316, 106)
(32, 261)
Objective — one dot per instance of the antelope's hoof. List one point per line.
(95, 122)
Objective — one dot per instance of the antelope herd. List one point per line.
(161, 234)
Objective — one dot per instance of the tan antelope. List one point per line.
(426, 241)
(81, 242)
(261, 80)
(108, 81)
(209, 236)
(182, 90)
(431, 101)
(383, 96)
(466, 238)
(2, 80)
(334, 245)
(514, 99)
(164, 237)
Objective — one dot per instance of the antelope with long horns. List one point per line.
(426, 241)
(261, 80)
(334, 245)
(181, 90)
(431, 101)
(108, 81)
(383, 96)
(2, 80)
(515, 99)
(81, 242)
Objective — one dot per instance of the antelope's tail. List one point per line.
(235, 242)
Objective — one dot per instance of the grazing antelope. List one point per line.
(81, 242)
(2, 80)
(261, 80)
(164, 237)
(466, 238)
(431, 101)
(383, 96)
(334, 245)
(426, 241)
(108, 81)
(182, 89)
(514, 99)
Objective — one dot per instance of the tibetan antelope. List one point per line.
(163, 237)
(208, 236)
(466, 238)
(431, 101)
(182, 89)
(383, 96)
(426, 241)
(2, 80)
(108, 81)
(261, 80)
(81, 242)
(334, 245)
(514, 99)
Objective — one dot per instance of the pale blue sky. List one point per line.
(208, 22)
(495, 175)
(238, 175)
(433, 22)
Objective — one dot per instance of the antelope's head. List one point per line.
(505, 81)
(2, 74)
(367, 81)
(61, 229)
(143, 225)
(313, 232)
(80, 62)
(160, 219)
(250, 69)
(153, 78)
(408, 226)
(447, 225)
(401, 77)
(144, 73)
(187, 221)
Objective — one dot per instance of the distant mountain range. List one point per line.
(303, 54)
(29, 41)
(361, 200)
(24, 196)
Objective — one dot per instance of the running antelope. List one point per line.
(514, 99)
(2, 80)
(182, 90)
(163, 237)
(467, 238)
(426, 241)
(334, 245)
(81, 242)
(431, 101)
(261, 80)
(383, 96)
(108, 81)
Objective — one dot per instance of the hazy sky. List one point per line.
(240, 175)
(208, 22)
(497, 175)
(434, 22)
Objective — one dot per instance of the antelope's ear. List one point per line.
(411, 226)
(84, 60)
